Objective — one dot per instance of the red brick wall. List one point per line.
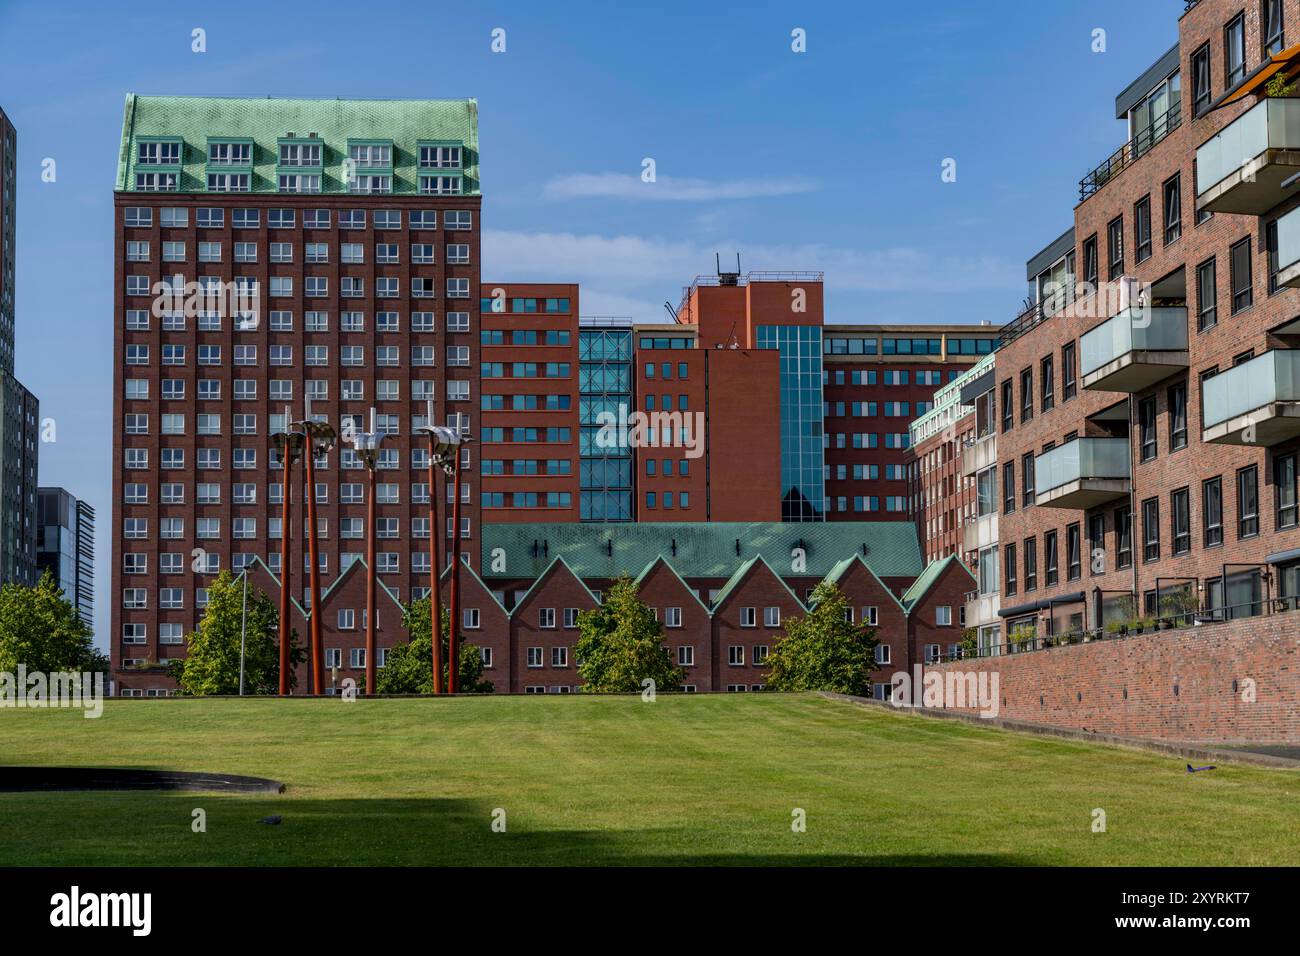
(557, 589)
(761, 588)
(662, 589)
(1171, 685)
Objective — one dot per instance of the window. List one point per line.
(1243, 294)
(1151, 529)
(1031, 564)
(672, 617)
(1008, 487)
(1284, 490)
(1147, 428)
(546, 617)
(771, 617)
(1115, 241)
(1008, 406)
(1026, 395)
(1212, 511)
(1090, 261)
(1270, 248)
(559, 657)
(685, 656)
(1050, 570)
(1180, 516)
(1207, 316)
(1234, 51)
(1027, 479)
(1271, 23)
(1248, 502)
(1048, 384)
(1073, 553)
(1142, 229)
(1177, 398)
(748, 617)
(943, 615)
(1173, 191)
(1123, 537)
(1201, 84)
(1068, 381)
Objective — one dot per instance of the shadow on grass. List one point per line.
(155, 829)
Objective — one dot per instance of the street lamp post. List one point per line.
(317, 436)
(289, 446)
(367, 445)
(444, 450)
(453, 602)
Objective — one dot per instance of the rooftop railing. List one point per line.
(1133, 150)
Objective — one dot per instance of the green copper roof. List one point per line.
(933, 571)
(703, 550)
(265, 121)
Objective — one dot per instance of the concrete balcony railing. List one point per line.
(980, 455)
(1241, 169)
(1254, 403)
(1288, 249)
(980, 532)
(1083, 473)
(1134, 350)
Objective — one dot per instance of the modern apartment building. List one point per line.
(19, 410)
(1148, 403)
(66, 547)
(271, 252)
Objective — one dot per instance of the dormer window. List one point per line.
(440, 157)
(166, 153)
(300, 154)
(371, 156)
(230, 154)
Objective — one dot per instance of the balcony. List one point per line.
(1288, 249)
(982, 609)
(1083, 473)
(981, 454)
(1241, 170)
(1134, 350)
(1254, 403)
(1132, 151)
(980, 532)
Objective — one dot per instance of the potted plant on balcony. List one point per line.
(1022, 637)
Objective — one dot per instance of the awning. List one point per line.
(974, 389)
(1287, 61)
(1022, 609)
(1283, 557)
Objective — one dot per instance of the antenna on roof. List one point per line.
(671, 311)
(727, 278)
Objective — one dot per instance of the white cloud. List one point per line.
(671, 188)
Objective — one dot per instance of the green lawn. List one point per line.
(590, 780)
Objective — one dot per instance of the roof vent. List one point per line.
(290, 135)
(311, 135)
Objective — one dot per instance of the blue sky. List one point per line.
(828, 159)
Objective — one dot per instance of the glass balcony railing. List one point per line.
(1273, 124)
(1080, 460)
(1258, 383)
(1288, 247)
(1134, 330)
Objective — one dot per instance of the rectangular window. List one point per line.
(1115, 241)
(1151, 529)
(1073, 553)
(1177, 398)
(1147, 428)
(1142, 229)
(1234, 51)
(1008, 487)
(1031, 564)
(1212, 511)
(1207, 316)
(1123, 537)
(1008, 406)
(1284, 489)
(1048, 384)
(1201, 83)
(1247, 502)
(1050, 571)
(1270, 248)
(1090, 261)
(1180, 514)
(1026, 395)
(1009, 568)
(1271, 24)
(1173, 191)
(1027, 479)
(1068, 380)
(1243, 291)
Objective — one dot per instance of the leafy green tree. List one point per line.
(41, 629)
(409, 667)
(212, 665)
(823, 650)
(620, 644)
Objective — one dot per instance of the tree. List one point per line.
(824, 650)
(409, 667)
(41, 629)
(620, 644)
(212, 665)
